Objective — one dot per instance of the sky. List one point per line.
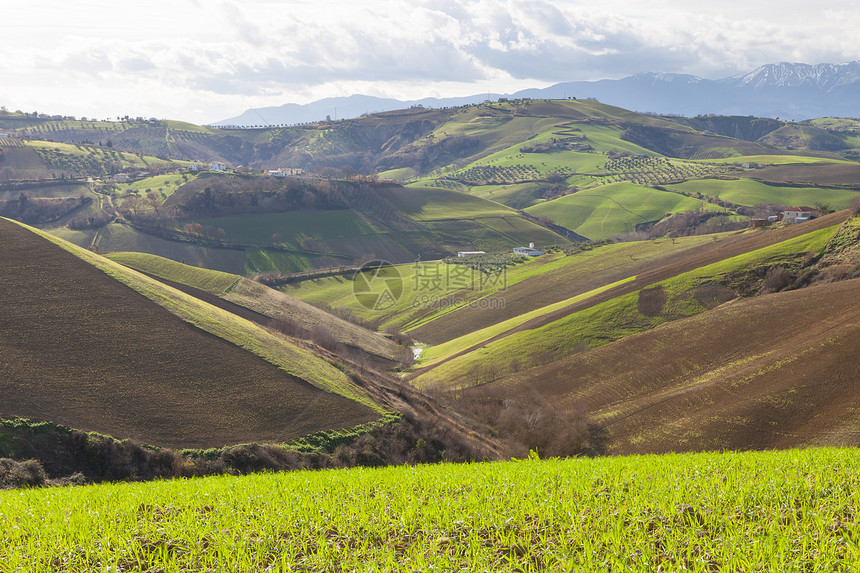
(203, 61)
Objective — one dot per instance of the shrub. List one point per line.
(776, 279)
(29, 473)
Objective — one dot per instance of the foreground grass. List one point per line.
(794, 510)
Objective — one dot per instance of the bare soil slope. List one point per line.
(81, 349)
(775, 371)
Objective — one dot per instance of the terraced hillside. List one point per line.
(83, 349)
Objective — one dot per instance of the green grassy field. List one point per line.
(215, 282)
(433, 292)
(616, 208)
(750, 192)
(164, 185)
(297, 229)
(604, 322)
(788, 511)
(118, 237)
(428, 204)
(433, 354)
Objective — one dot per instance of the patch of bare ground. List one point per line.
(775, 371)
(81, 349)
(822, 174)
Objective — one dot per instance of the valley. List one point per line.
(325, 257)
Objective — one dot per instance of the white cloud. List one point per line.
(204, 61)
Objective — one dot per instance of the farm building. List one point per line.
(217, 166)
(464, 254)
(285, 172)
(799, 214)
(530, 251)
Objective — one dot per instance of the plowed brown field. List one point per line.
(81, 349)
(776, 371)
(827, 174)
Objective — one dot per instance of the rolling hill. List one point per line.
(761, 373)
(261, 304)
(477, 177)
(83, 347)
(583, 355)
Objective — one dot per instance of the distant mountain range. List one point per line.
(786, 90)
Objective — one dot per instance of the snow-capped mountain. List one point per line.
(785, 90)
(825, 77)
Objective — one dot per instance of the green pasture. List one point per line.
(297, 229)
(516, 195)
(432, 204)
(119, 237)
(608, 321)
(164, 185)
(215, 282)
(616, 208)
(427, 286)
(750, 192)
(433, 354)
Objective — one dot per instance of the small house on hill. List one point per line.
(285, 172)
(465, 254)
(799, 214)
(529, 251)
(217, 166)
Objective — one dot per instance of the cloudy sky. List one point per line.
(203, 61)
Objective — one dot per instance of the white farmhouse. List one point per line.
(529, 251)
(799, 214)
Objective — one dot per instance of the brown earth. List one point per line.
(81, 349)
(826, 174)
(686, 261)
(776, 371)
